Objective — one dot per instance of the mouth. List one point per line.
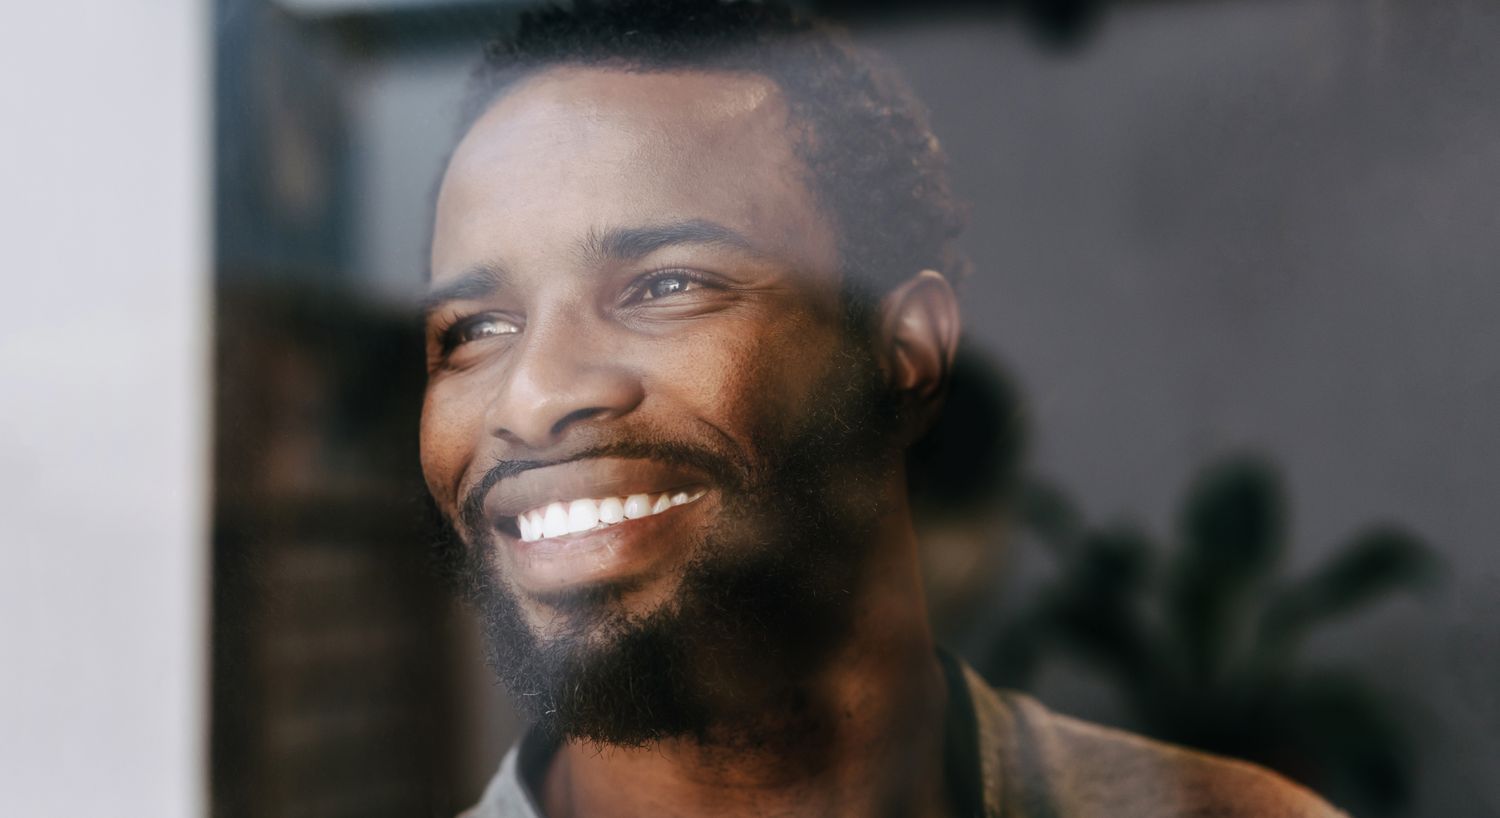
(563, 518)
(593, 520)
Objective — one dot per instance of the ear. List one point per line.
(919, 330)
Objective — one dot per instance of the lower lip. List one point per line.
(627, 549)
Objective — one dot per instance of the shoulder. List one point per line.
(1049, 764)
(1112, 766)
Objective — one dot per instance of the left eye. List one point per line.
(487, 328)
(478, 328)
(663, 286)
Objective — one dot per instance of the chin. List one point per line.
(587, 610)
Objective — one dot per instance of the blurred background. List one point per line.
(1219, 465)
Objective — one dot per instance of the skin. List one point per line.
(546, 338)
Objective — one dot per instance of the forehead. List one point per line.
(573, 150)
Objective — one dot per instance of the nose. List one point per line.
(564, 374)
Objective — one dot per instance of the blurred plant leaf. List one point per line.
(1216, 670)
(1114, 562)
(1374, 563)
(1048, 512)
(1096, 608)
(1352, 743)
(1232, 532)
(1233, 522)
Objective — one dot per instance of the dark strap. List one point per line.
(961, 765)
(532, 759)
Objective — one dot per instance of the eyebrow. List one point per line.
(632, 243)
(475, 283)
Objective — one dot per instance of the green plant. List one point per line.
(1202, 639)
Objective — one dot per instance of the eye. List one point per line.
(478, 328)
(667, 283)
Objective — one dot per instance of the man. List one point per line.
(690, 305)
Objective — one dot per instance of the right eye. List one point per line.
(478, 328)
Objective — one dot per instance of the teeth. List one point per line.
(582, 515)
(637, 505)
(557, 519)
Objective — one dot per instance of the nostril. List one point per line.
(537, 406)
(577, 416)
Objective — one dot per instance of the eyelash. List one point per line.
(642, 285)
(451, 336)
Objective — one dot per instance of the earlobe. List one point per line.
(920, 327)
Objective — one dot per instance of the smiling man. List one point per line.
(690, 305)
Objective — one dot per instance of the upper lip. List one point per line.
(594, 478)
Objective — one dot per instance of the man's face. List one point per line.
(641, 380)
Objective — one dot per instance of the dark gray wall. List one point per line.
(1262, 225)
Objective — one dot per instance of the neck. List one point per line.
(862, 737)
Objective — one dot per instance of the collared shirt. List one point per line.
(1006, 756)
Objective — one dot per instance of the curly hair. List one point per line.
(874, 165)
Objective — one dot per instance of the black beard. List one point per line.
(765, 600)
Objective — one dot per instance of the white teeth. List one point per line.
(555, 523)
(637, 505)
(557, 519)
(582, 515)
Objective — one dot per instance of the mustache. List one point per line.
(720, 467)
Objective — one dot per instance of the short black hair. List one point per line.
(874, 164)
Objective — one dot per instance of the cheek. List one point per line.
(446, 440)
(746, 378)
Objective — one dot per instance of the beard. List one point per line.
(760, 605)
